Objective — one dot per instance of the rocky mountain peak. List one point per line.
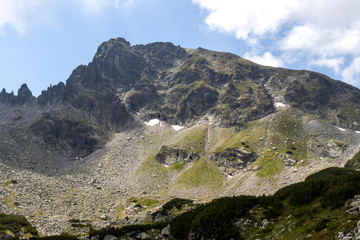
(24, 94)
(158, 120)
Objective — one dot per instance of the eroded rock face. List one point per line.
(171, 155)
(75, 138)
(197, 103)
(53, 95)
(234, 158)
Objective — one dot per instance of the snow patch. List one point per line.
(229, 177)
(153, 122)
(280, 104)
(341, 129)
(177, 127)
(357, 131)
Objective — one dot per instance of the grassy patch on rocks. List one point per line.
(16, 223)
(191, 139)
(270, 164)
(178, 166)
(354, 162)
(249, 138)
(286, 139)
(204, 173)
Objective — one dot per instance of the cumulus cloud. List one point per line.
(333, 63)
(247, 18)
(351, 74)
(326, 31)
(267, 59)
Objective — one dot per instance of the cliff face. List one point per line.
(221, 124)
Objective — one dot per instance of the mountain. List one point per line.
(157, 121)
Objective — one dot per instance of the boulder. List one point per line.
(166, 231)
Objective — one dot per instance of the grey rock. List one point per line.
(355, 204)
(144, 236)
(234, 158)
(110, 237)
(264, 223)
(166, 231)
(6, 237)
(170, 155)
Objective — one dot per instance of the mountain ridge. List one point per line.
(222, 126)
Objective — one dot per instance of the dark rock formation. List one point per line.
(234, 158)
(171, 155)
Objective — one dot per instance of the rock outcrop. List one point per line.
(234, 158)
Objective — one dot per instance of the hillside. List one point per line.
(158, 121)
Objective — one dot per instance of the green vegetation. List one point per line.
(154, 141)
(15, 223)
(119, 211)
(77, 223)
(204, 173)
(151, 166)
(178, 166)
(354, 162)
(287, 137)
(287, 127)
(59, 237)
(147, 202)
(176, 203)
(270, 164)
(332, 171)
(318, 202)
(10, 200)
(192, 139)
(118, 232)
(247, 138)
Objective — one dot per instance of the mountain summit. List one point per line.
(158, 120)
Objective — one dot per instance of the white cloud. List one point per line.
(317, 26)
(323, 41)
(325, 30)
(248, 18)
(267, 59)
(351, 74)
(22, 14)
(333, 63)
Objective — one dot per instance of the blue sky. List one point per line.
(42, 41)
